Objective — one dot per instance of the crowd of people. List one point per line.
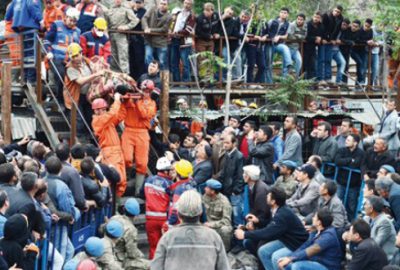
(170, 37)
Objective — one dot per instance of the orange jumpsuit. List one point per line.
(136, 139)
(110, 144)
(50, 15)
(14, 44)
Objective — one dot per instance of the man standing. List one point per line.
(315, 32)
(202, 166)
(276, 140)
(262, 153)
(246, 138)
(352, 157)
(181, 43)
(388, 128)
(121, 18)
(157, 20)
(190, 241)
(218, 211)
(325, 145)
(231, 177)
(293, 144)
(136, 43)
(344, 131)
(95, 42)
(297, 31)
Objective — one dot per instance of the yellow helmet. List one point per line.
(184, 168)
(237, 102)
(74, 49)
(253, 105)
(100, 23)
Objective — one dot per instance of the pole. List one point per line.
(6, 102)
(164, 121)
(38, 71)
(73, 125)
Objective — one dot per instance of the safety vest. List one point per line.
(64, 37)
(156, 189)
(92, 46)
(88, 15)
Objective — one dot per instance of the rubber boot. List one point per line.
(139, 180)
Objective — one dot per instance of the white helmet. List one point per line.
(73, 13)
(163, 164)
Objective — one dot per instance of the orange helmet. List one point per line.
(99, 103)
(147, 85)
(87, 264)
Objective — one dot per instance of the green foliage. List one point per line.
(209, 64)
(387, 16)
(291, 92)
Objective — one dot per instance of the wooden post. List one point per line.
(164, 106)
(73, 125)
(38, 63)
(6, 102)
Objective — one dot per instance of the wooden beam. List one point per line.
(38, 62)
(73, 125)
(6, 102)
(164, 104)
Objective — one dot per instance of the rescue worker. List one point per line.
(184, 171)
(190, 245)
(96, 42)
(218, 211)
(135, 138)
(156, 190)
(77, 81)
(54, 11)
(126, 250)
(122, 18)
(104, 125)
(57, 39)
(89, 11)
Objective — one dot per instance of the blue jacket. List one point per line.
(59, 37)
(61, 195)
(275, 30)
(285, 226)
(3, 220)
(27, 14)
(89, 13)
(330, 254)
(279, 145)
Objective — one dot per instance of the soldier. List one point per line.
(126, 250)
(120, 17)
(218, 211)
(114, 230)
(93, 249)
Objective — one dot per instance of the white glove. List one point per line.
(50, 55)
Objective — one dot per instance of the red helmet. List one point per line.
(86, 264)
(147, 85)
(99, 103)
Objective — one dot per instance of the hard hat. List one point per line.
(74, 49)
(94, 246)
(163, 164)
(237, 102)
(115, 229)
(184, 168)
(189, 204)
(73, 13)
(99, 103)
(87, 264)
(147, 85)
(132, 207)
(253, 105)
(244, 103)
(100, 23)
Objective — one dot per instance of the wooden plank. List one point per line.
(164, 112)
(38, 63)
(6, 102)
(72, 138)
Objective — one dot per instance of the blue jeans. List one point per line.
(296, 58)
(305, 265)
(62, 242)
(340, 64)
(324, 68)
(160, 53)
(29, 57)
(281, 253)
(374, 68)
(352, 199)
(284, 51)
(178, 54)
(255, 55)
(361, 59)
(237, 66)
(268, 63)
(265, 253)
(237, 209)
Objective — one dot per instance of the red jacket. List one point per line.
(157, 192)
(93, 45)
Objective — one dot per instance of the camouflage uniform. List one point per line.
(107, 261)
(219, 212)
(126, 250)
(288, 184)
(120, 16)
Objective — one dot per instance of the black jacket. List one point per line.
(231, 175)
(70, 176)
(368, 256)
(362, 38)
(95, 192)
(373, 162)
(331, 25)
(314, 31)
(205, 27)
(346, 158)
(232, 27)
(258, 203)
(347, 37)
(285, 226)
(262, 155)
